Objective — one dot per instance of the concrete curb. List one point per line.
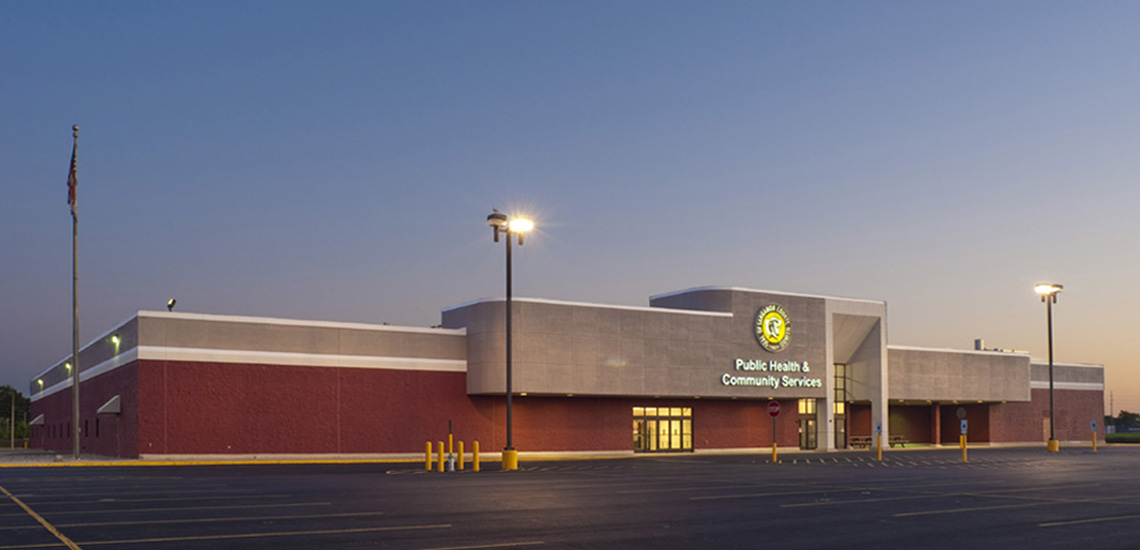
(52, 460)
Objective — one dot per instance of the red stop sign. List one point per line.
(773, 409)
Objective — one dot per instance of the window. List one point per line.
(807, 406)
(662, 429)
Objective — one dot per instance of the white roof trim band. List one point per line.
(1088, 386)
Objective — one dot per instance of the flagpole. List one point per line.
(74, 297)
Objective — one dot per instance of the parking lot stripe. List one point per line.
(194, 520)
(163, 499)
(246, 536)
(66, 541)
(180, 508)
(484, 546)
(1088, 520)
(977, 509)
(27, 496)
(997, 493)
(778, 494)
(219, 520)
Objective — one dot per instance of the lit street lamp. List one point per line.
(1048, 292)
(500, 223)
(12, 422)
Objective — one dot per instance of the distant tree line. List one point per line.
(23, 406)
(1125, 418)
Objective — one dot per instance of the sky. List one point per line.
(336, 161)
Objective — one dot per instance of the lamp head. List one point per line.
(497, 219)
(1047, 290)
(520, 225)
(498, 222)
(170, 304)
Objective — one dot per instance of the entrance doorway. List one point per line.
(809, 428)
(840, 412)
(662, 429)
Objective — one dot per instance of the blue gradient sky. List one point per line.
(336, 161)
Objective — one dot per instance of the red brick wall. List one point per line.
(859, 420)
(977, 423)
(1011, 422)
(105, 434)
(728, 424)
(205, 408)
(911, 422)
(208, 408)
(1074, 411)
(196, 408)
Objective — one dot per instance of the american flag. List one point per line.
(72, 180)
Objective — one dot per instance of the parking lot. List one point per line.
(1013, 498)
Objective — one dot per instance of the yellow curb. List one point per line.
(273, 462)
(198, 463)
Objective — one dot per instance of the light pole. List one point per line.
(1048, 292)
(12, 421)
(500, 223)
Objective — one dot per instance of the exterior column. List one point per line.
(825, 439)
(880, 398)
(936, 423)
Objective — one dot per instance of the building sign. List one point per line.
(773, 328)
(771, 374)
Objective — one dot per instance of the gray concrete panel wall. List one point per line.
(565, 348)
(945, 375)
(858, 340)
(1067, 373)
(91, 355)
(214, 332)
(864, 368)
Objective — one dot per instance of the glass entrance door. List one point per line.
(807, 433)
(662, 429)
(807, 424)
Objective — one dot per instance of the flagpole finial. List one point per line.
(76, 130)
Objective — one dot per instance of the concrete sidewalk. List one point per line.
(32, 457)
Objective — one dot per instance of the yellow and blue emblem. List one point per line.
(773, 327)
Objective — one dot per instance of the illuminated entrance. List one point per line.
(662, 429)
(807, 421)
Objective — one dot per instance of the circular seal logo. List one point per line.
(772, 327)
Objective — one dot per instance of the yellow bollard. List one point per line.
(475, 456)
(1094, 441)
(427, 457)
(962, 442)
(450, 444)
(461, 455)
(880, 447)
(439, 468)
(774, 458)
(510, 460)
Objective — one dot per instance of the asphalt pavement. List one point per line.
(1001, 498)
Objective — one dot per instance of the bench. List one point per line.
(861, 441)
(899, 440)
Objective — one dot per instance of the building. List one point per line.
(693, 371)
